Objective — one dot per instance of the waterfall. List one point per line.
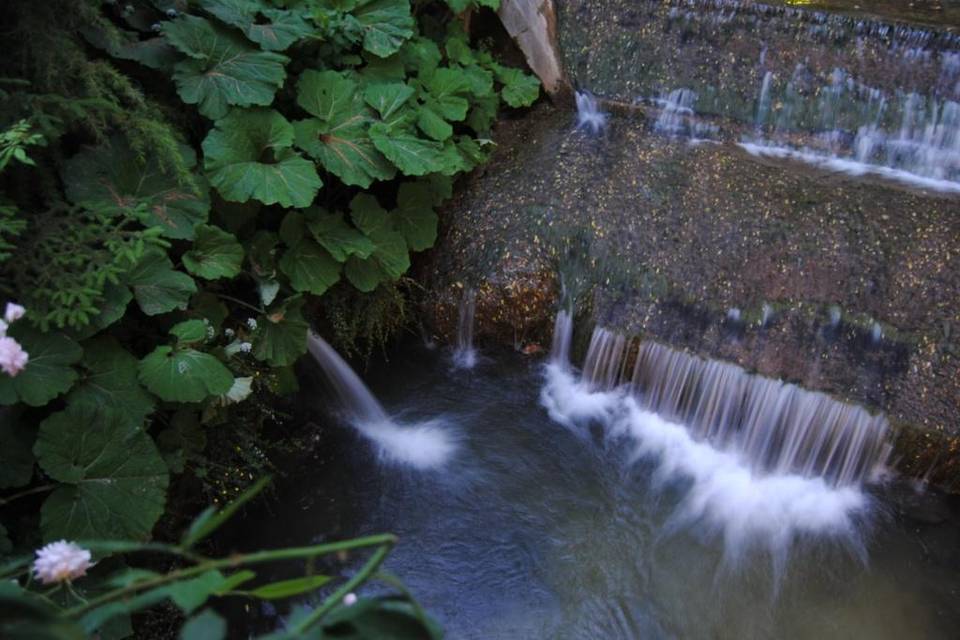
(589, 115)
(465, 356)
(678, 118)
(562, 337)
(424, 445)
(761, 461)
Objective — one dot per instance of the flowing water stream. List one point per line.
(537, 530)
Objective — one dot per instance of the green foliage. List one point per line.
(182, 194)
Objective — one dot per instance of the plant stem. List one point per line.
(380, 540)
(28, 492)
(358, 578)
(241, 302)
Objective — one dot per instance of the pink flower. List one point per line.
(13, 312)
(12, 356)
(59, 561)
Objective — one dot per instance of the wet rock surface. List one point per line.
(845, 286)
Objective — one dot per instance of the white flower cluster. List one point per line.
(246, 347)
(12, 356)
(59, 561)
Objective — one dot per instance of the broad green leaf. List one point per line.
(116, 299)
(417, 220)
(390, 253)
(210, 307)
(459, 6)
(110, 381)
(288, 588)
(248, 156)
(387, 98)
(413, 156)
(445, 87)
(192, 593)
(113, 179)
(272, 29)
(282, 335)
(215, 254)
(206, 625)
(184, 375)
(386, 24)
(48, 372)
(189, 331)
(484, 113)
(114, 480)
(365, 275)
(261, 253)
(223, 69)
(293, 229)
(478, 80)
(16, 455)
(421, 55)
(157, 287)
(433, 125)
(458, 50)
(338, 237)
(519, 89)
(383, 70)
(310, 267)
(337, 136)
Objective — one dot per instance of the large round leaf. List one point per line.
(310, 267)
(386, 24)
(114, 480)
(248, 156)
(48, 372)
(112, 178)
(282, 335)
(184, 375)
(272, 29)
(110, 382)
(215, 254)
(157, 286)
(223, 69)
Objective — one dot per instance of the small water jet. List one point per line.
(589, 116)
(766, 315)
(465, 355)
(876, 333)
(424, 445)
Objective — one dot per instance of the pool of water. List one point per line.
(535, 530)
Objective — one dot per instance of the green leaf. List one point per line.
(110, 382)
(288, 588)
(478, 80)
(248, 156)
(338, 137)
(519, 89)
(48, 372)
(421, 55)
(386, 24)
(116, 299)
(16, 455)
(339, 238)
(459, 6)
(192, 593)
(365, 275)
(114, 480)
(224, 70)
(433, 125)
(413, 156)
(444, 87)
(184, 375)
(310, 267)
(114, 179)
(417, 220)
(390, 254)
(215, 254)
(387, 98)
(368, 215)
(189, 331)
(282, 335)
(275, 31)
(206, 625)
(157, 287)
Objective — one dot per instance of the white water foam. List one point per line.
(723, 495)
(426, 445)
(849, 167)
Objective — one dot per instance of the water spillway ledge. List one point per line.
(664, 238)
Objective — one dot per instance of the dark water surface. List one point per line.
(535, 531)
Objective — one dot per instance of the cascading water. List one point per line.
(589, 116)
(762, 461)
(423, 445)
(465, 355)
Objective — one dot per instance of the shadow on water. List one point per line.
(534, 530)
